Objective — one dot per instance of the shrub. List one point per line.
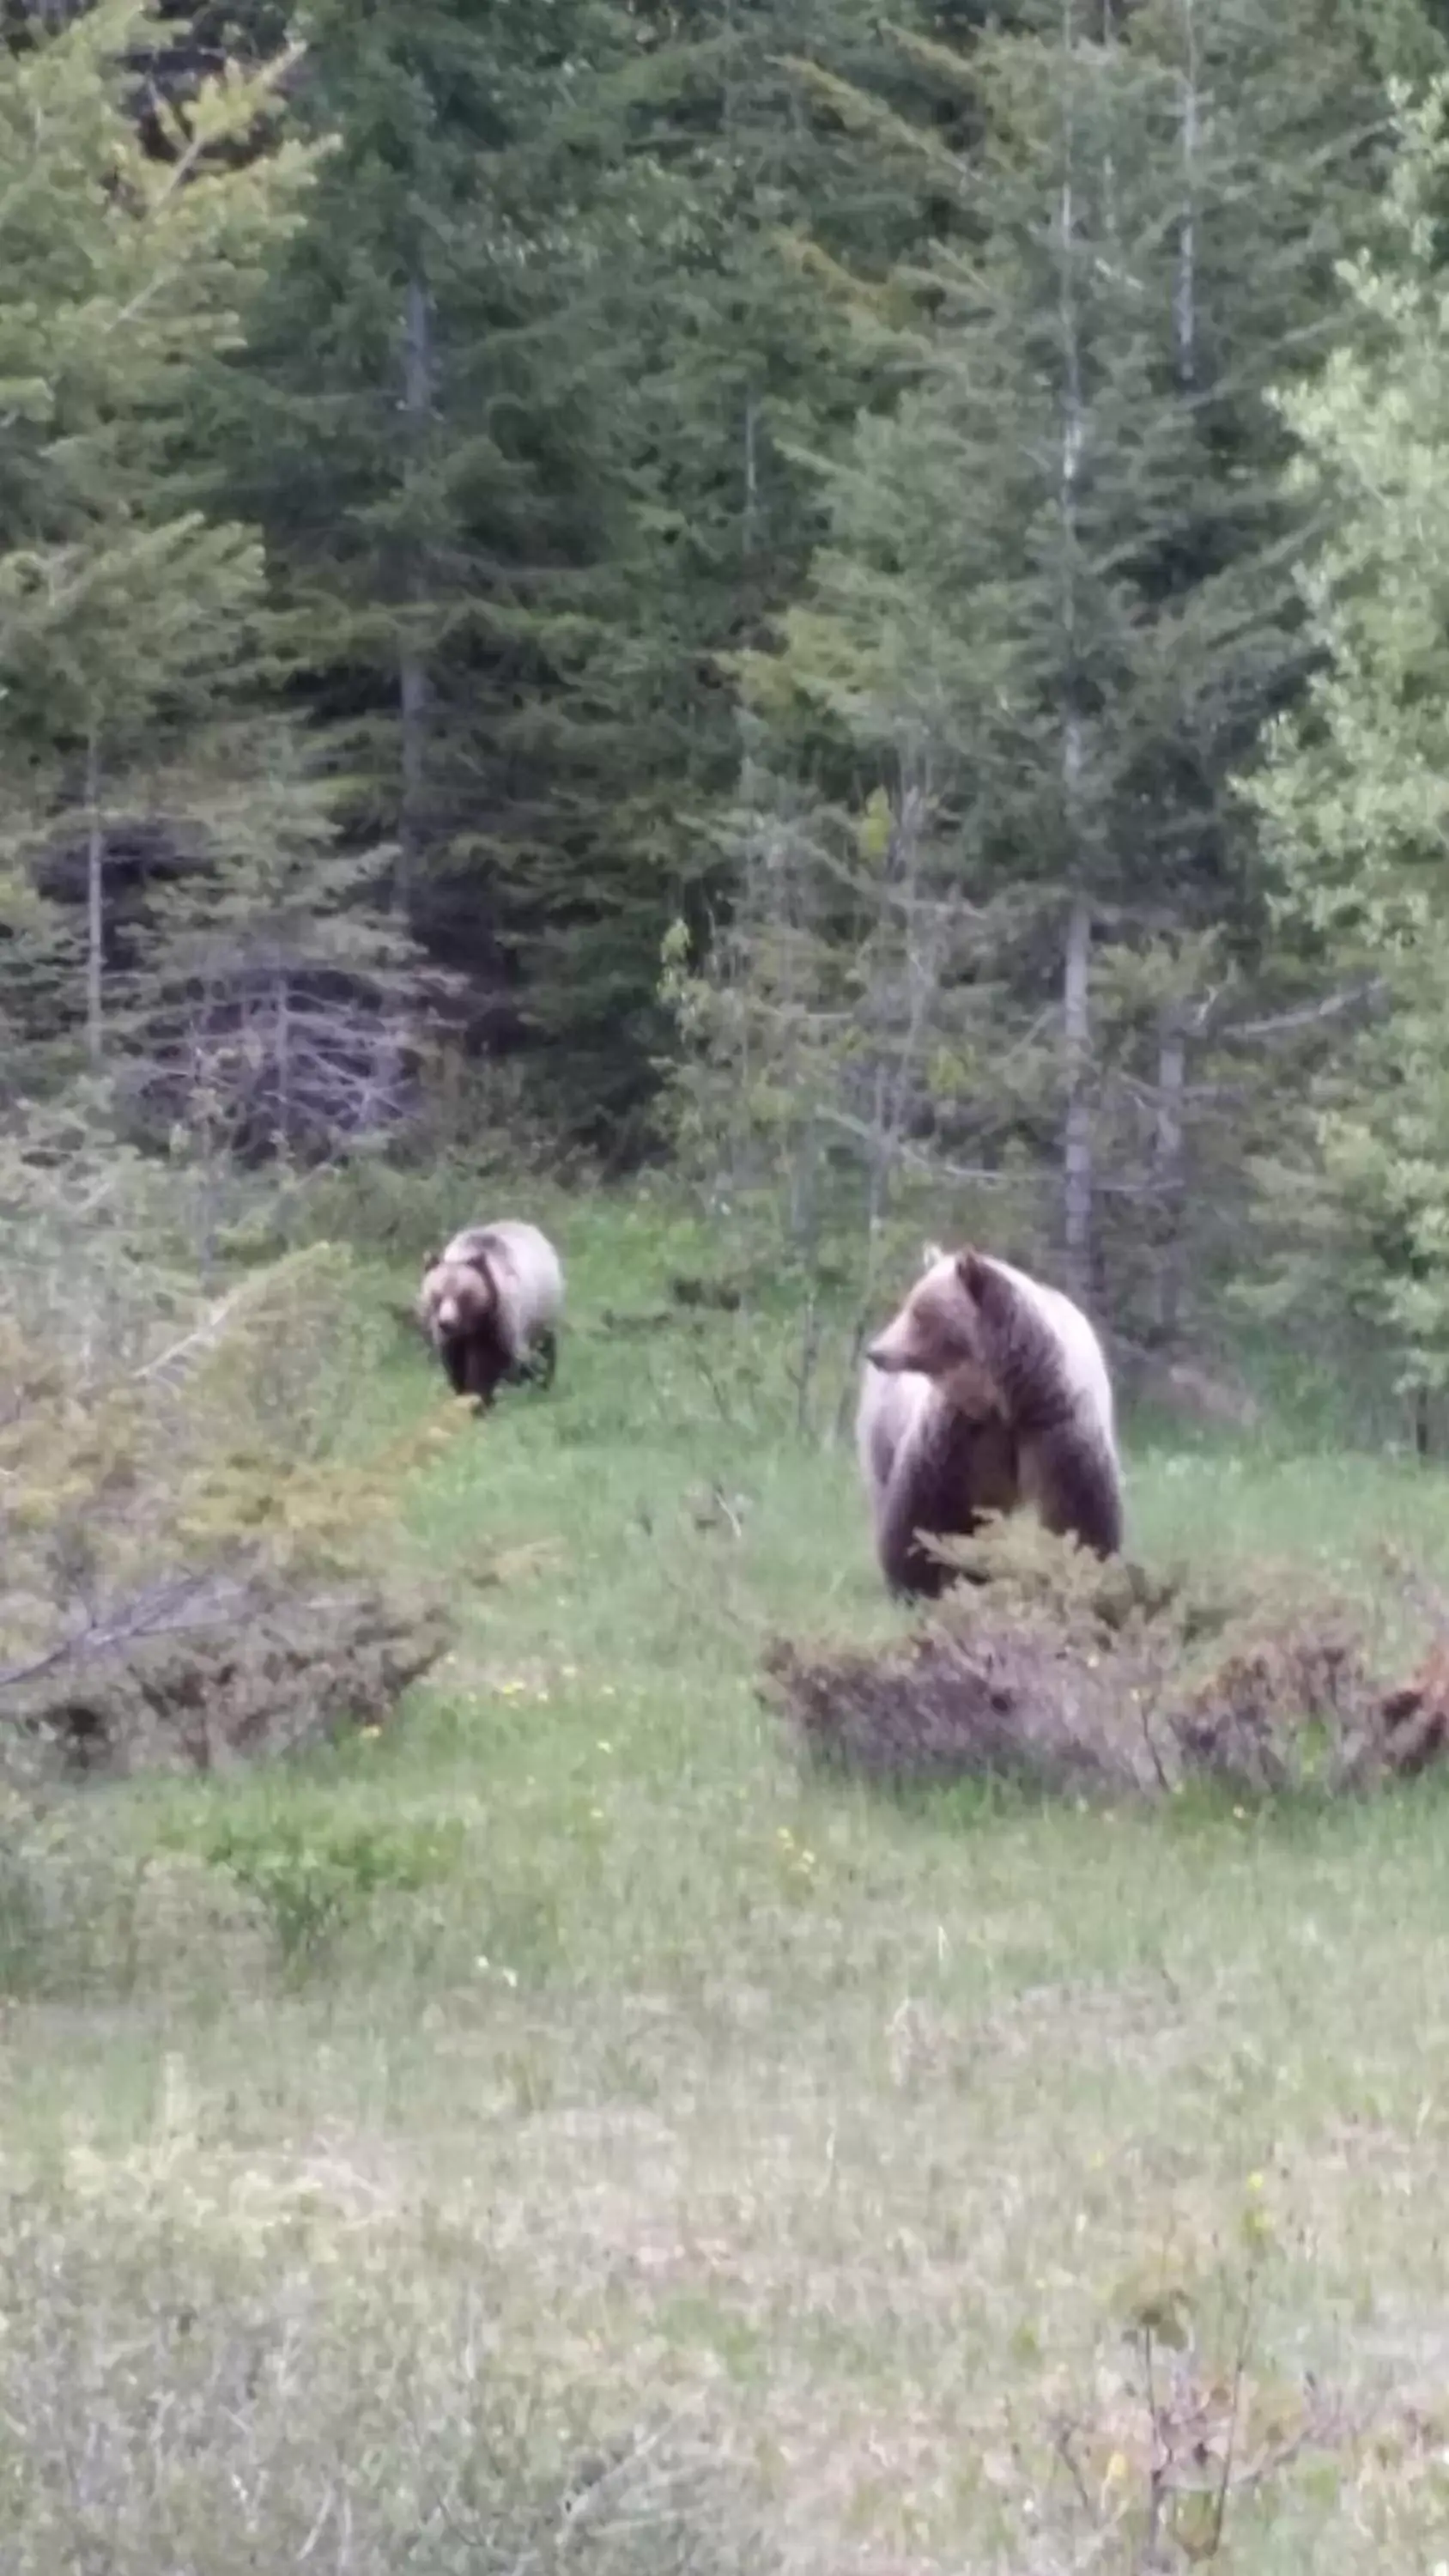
(1090, 1680)
(187, 1499)
(311, 1877)
(274, 1669)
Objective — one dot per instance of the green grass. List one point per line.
(805, 2153)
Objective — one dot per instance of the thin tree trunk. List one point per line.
(1077, 1172)
(95, 906)
(1168, 1157)
(1172, 1040)
(922, 940)
(1109, 158)
(1077, 1191)
(283, 1044)
(413, 688)
(749, 528)
(1185, 291)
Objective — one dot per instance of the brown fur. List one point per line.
(473, 1358)
(1005, 1425)
(957, 1471)
(461, 1306)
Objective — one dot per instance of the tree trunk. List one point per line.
(1172, 1040)
(1077, 1136)
(413, 689)
(1168, 1159)
(283, 1045)
(1185, 291)
(95, 906)
(1077, 1177)
(750, 520)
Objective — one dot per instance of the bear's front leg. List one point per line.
(485, 1368)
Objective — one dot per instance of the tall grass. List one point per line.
(558, 2096)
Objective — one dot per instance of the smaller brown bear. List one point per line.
(490, 1304)
(987, 1392)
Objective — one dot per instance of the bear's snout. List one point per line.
(881, 1356)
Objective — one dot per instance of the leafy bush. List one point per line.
(312, 1877)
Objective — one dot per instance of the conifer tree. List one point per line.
(424, 431)
(515, 431)
(735, 358)
(1054, 600)
(123, 608)
(1354, 793)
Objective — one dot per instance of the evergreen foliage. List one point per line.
(762, 540)
(1353, 792)
(124, 609)
(1054, 604)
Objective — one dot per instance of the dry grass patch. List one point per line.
(284, 2374)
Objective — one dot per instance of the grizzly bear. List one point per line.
(988, 1391)
(490, 1304)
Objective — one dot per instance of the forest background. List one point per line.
(850, 606)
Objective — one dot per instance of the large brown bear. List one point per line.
(490, 1304)
(987, 1392)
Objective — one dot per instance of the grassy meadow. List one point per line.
(555, 2131)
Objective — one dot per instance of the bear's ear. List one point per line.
(971, 1271)
(430, 1262)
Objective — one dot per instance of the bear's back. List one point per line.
(1081, 1350)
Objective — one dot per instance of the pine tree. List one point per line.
(275, 1011)
(1055, 598)
(1354, 794)
(425, 433)
(515, 431)
(123, 610)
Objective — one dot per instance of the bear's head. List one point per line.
(938, 1334)
(456, 1298)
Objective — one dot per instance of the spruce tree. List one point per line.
(1055, 596)
(1354, 794)
(426, 434)
(124, 610)
(516, 431)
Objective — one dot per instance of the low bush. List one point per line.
(189, 1502)
(1087, 1680)
(311, 1877)
(261, 1669)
